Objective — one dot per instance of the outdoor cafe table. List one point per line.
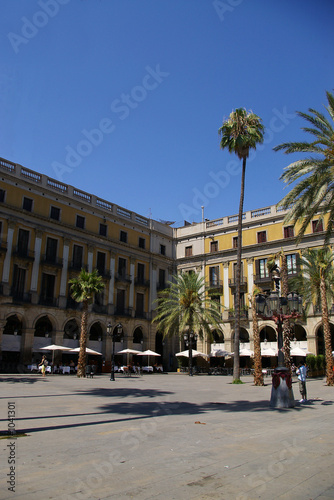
(47, 369)
(147, 369)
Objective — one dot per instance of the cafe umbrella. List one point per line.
(53, 348)
(148, 353)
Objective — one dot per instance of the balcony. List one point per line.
(243, 314)
(77, 266)
(99, 309)
(215, 286)
(122, 311)
(142, 315)
(72, 304)
(23, 253)
(125, 278)
(52, 261)
(21, 297)
(162, 286)
(142, 282)
(259, 279)
(48, 301)
(104, 273)
(243, 283)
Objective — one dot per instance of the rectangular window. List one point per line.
(214, 246)
(163, 249)
(19, 277)
(103, 230)
(291, 262)
(123, 236)
(288, 232)
(140, 273)
(27, 204)
(235, 242)
(122, 267)
(51, 249)
(214, 275)
(120, 301)
(23, 242)
(317, 226)
(162, 278)
(188, 251)
(80, 222)
(77, 256)
(262, 236)
(235, 272)
(55, 213)
(2, 195)
(101, 262)
(263, 269)
(47, 290)
(140, 304)
(142, 243)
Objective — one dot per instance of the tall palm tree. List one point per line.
(241, 132)
(185, 307)
(83, 288)
(316, 284)
(314, 192)
(258, 375)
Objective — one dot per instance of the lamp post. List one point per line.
(111, 333)
(190, 338)
(275, 308)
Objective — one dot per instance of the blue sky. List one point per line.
(124, 98)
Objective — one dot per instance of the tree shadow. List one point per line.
(19, 380)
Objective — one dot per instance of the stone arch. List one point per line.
(217, 337)
(299, 332)
(268, 333)
(138, 336)
(243, 336)
(95, 332)
(13, 325)
(71, 329)
(43, 326)
(320, 342)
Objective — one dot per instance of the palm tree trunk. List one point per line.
(327, 333)
(83, 340)
(286, 327)
(236, 364)
(258, 375)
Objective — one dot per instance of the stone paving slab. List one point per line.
(164, 437)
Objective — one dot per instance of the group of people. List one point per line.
(56, 368)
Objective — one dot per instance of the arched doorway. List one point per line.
(321, 341)
(11, 344)
(71, 333)
(42, 337)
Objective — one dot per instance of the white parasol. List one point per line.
(88, 351)
(53, 348)
(148, 353)
(194, 353)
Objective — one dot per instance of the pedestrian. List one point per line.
(43, 365)
(302, 372)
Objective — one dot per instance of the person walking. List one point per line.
(302, 372)
(43, 365)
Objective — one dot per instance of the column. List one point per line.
(36, 266)
(111, 284)
(63, 277)
(6, 263)
(132, 284)
(250, 275)
(226, 287)
(90, 258)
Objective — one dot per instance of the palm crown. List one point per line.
(241, 132)
(314, 193)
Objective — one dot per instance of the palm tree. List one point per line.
(83, 288)
(313, 195)
(258, 375)
(316, 284)
(241, 132)
(185, 307)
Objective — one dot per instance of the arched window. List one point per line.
(71, 330)
(218, 337)
(43, 327)
(138, 335)
(13, 326)
(95, 332)
(268, 334)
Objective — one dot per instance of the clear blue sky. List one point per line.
(157, 77)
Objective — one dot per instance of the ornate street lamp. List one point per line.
(111, 333)
(190, 339)
(275, 308)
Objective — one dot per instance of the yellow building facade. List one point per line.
(49, 232)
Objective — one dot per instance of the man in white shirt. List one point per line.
(301, 372)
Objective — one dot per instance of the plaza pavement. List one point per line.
(164, 437)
